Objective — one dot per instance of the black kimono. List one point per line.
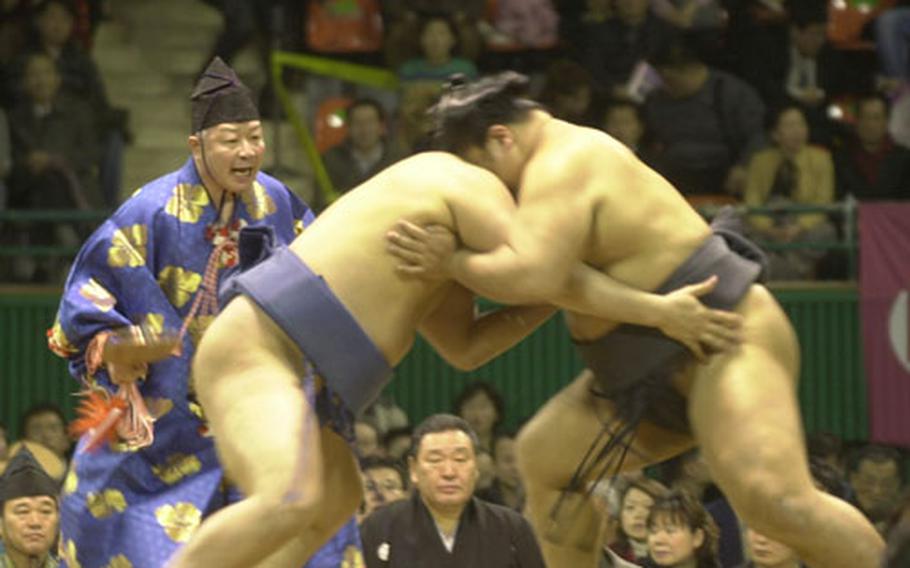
(404, 535)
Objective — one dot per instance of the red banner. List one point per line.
(884, 230)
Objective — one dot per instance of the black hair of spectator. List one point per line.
(829, 478)
(897, 551)
(383, 462)
(677, 50)
(67, 5)
(823, 445)
(773, 116)
(401, 432)
(467, 109)
(876, 454)
(38, 409)
(867, 97)
(564, 77)
(478, 387)
(366, 102)
(804, 13)
(428, 18)
(683, 509)
(441, 423)
(504, 435)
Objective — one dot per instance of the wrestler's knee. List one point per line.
(772, 504)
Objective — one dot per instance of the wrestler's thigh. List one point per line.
(258, 415)
(554, 441)
(744, 408)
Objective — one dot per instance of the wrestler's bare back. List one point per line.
(346, 246)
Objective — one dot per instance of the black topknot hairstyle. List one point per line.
(466, 109)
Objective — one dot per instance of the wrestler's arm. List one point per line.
(467, 338)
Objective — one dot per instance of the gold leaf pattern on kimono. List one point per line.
(128, 247)
(119, 561)
(198, 326)
(155, 322)
(176, 467)
(298, 227)
(104, 504)
(179, 521)
(178, 284)
(67, 550)
(71, 483)
(58, 342)
(158, 407)
(353, 558)
(187, 202)
(98, 295)
(258, 202)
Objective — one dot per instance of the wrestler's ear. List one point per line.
(500, 134)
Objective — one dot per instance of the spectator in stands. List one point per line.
(365, 151)
(791, 172)
(568, 94)
(15, 19)
(624, 121)
(442, 524)
(801, 69)
(414, 128)
(438, 49)
(506, 488)
(486, 472)
(397, 442)
(611, 48)
(828, 448)
(877, 480)
(892, 41)
(681, 533)
(80, 79)
(386, 415)
(403, 19)
(367, 439)
(635, 502)
(29, 514)
(768, 553)
(897, 554)
(692, 14)
(6, 158)
(706, 123)
(521, 25)
(45, 423)
(481, 405)
(383, 483)
(871, 165)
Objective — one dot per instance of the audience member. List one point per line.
(386, 415)
(681, 533)
(30, 514)
(397, 442)
(635, 502)
(414, 127)
(4, 442)
(45, 423)
(768, 553)
(892, 41)
(871, 165)
(6, 158)
(827, 448)
(876, 479)
(791, 172)
(442, 524)
(366, 437)
(365, 151)
(706, 123)
(567, 92)
(624, 121)
(611, 48)
(383, 483)
(506, 488)
(15, 20)
(481, 405)
(80, 79)
(692, 14)
(897, 555)
(403, 18)
(438, 49)
(486, 472)
(521, 24)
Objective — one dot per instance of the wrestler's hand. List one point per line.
(424, 252)
(697, 326)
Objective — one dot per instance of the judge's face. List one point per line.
(29, 525)
(444, 470)
(230, 154)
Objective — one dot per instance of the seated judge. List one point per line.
(29, 514)
(442, 525)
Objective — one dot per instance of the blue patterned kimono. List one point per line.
(123, 508)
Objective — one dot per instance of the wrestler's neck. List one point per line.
(531, 133)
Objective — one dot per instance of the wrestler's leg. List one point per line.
(745, 415)
(551, 446)
(343, 492)
(261, 421)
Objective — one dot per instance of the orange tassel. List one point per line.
(99, 413)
